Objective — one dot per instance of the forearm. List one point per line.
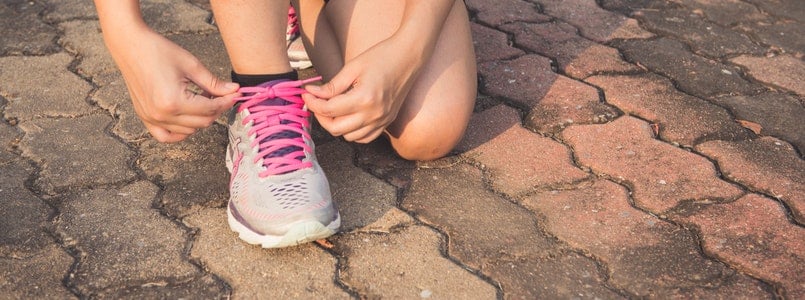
(421, 25)
(118, 18)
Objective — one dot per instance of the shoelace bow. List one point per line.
(270, 120)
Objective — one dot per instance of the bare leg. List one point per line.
(436, 112)
(254, 34)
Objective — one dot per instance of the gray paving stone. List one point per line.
(765, 164)
(691, 73)
(75, 152)
(629, 7)
(168, 16)
(205, 4)
(36, 277)
(491, 44)
(121, 239)
(576, 56)
(724, 12)
(84, 38)
(784, 71)
(45, 89)
(644, 255)
(790, 9)
(784, 36)
(779, 115)
(506, 11)
(380, 160)
(23, 32)
(9, 137)
(593, 22)
(681, 118)
(406, 264)
(361, 198)
(62, 10)
(515, 160)
(193, 171)
(205, 287)
(114, 97)
(660, 176)
(304, 271)
(23, 217)
(702, 36)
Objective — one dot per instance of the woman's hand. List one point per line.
(158, 74)
(366, 95)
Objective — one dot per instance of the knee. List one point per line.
(424, 147)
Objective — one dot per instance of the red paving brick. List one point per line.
(594, 22)
(753, 235)
(784, 71)
(765, 164)
(646, 256)
(515, 159)
(682, 118)
(500, 12)
(660, 175)
(491, 44)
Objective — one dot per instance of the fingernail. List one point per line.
(313, 88)
(231, 85)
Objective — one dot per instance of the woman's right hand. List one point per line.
(158, 75)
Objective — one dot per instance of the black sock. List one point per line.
(253, 80)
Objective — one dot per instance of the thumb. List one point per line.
(340, 84)
(210, 83)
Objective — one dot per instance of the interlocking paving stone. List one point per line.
(529, 81)
(660, 175)
(208, 48)
(576, 56)
(765, 164)
(361, 198)
(784, 71)
(193, 171)
(691, 73)
(379, 159)
(783, 8)
(594, 22)
(61, 10)
(784, 36)
(114, 97)
(704, 37)
(84, 38)
(304, 271)
(75, 152)
(121, 239)
(724, 12)
(23, 217)
(23, 32)
(406, 264)
(46, 88)
(753, 235)
(645, 255)
(205, 287)
(516, 160)
(491, 44)
(498, 237)
(682, 118)
(48, 267)
(780, 115)
(8, 138)
(168, 16)
(506, 11)
(629, 7)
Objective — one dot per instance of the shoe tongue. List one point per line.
(273, 120)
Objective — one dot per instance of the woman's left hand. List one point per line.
(366, 95)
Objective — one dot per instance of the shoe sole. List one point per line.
(299, 233)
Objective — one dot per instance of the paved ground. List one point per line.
(619, 149)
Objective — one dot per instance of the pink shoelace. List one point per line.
(293, 26)
(279, 126)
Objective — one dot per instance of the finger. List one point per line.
(162, 135)
(344, 125)
(364, 135)
(199, 105)
(197, 122)
(178, 129)
(341, 83)
(335, 107)
(208, 82)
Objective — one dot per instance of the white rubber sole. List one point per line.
(299, 233)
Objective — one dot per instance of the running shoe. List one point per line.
(279, 195)
(295, 47)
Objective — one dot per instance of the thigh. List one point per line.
(437, 109)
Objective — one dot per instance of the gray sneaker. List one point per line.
(279, 195)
